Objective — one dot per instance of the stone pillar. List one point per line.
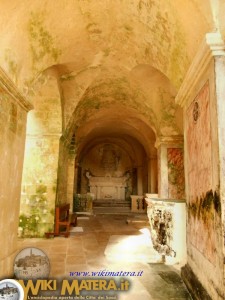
(75, 175)
(13, 118)
(40, 170)
(149, 175)
(170, 167)
(70, 179)
(153, 168)
(140, 180)
(98, 192)
(62, 176)
(202, 96)
(72, 172)
(152, 175)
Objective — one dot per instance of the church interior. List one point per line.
(116, 106)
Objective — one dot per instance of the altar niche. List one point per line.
(107, 172)
(108, 187)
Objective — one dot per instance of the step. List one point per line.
(111, 203)
(111, 210)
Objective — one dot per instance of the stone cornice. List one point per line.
(212, 45)
(7, 85)
(176, 140)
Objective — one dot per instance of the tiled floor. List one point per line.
(113, 243)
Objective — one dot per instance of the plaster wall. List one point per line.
(204, 228)
(12, 137)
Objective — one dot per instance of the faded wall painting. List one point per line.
(176, 185)
(107, 172)
(202, 200)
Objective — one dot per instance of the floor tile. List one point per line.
(113, 243)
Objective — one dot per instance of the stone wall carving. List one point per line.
(168, 227)
(161, 224)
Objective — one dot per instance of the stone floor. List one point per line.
(113, 242)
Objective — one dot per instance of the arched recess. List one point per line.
(138, 103)
(115, 155)
(128, 135)
(39, 181)
(107, 159)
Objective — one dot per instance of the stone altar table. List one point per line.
(108, 187)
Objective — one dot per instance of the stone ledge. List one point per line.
(194, 286)
(8, 85)
(212, 45)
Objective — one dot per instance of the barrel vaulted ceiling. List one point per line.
(113, 60)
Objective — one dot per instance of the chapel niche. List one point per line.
(107, 172)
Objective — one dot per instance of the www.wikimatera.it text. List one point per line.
(105, 273)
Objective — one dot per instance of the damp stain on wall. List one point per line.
(167, 31)
(205, 206)
(204, 217)
(42, 42)
(13, 67)
(108, 93)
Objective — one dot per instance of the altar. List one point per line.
(108, 187)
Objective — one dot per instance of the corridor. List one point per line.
(113, 242)
(115, 101)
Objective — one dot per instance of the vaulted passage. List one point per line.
(116, 107)
(117, 146)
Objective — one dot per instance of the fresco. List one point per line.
(176, 184)
(201, 202)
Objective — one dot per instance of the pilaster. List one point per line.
(202, 96)
(170, 167)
